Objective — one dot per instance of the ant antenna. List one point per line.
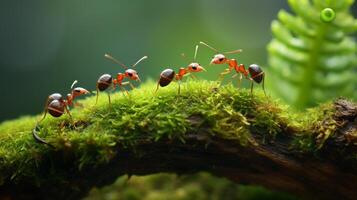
(141, 59)
(229, 52)
(184, 56)
(195, 55)
(74, 82)
(209, 46)
(196, 50)
(115, 60)
(235, 51)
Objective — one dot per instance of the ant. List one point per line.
(256, 73)
(169, 75)
(56, 105)
(106, 80)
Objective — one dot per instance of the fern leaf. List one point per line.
(312, 60)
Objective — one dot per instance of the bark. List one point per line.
(327, 173)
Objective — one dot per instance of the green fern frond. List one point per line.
(312, 55)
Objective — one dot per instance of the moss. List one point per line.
(313, 134)
(225, 112)
(324, 125)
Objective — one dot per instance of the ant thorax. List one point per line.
(181, 73)
(69, 101)
(120, 77)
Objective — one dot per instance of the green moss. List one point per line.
(317, 125)
(225, 112)
(323, 124)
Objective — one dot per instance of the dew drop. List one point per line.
(327, 15)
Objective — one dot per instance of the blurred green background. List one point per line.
(45, 45)
(188, 187)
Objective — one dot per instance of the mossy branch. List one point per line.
(225, 131)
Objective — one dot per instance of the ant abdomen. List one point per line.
(166, 77)
(56, 108)
(104, 82)
(54, 96)
(55, 104)
(256, 73)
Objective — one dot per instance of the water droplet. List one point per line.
(327, 15)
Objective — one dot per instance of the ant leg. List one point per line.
(96, 101)
(114, 85)
(69, 113)
(240, 80)
(108, 93)
(157, 88)
(77, 104)
(123, 89)
(193, 76)
(158, 85)
(257, 75)
(233, 77)
(44, 115)
(179, 87)
(221, 75)
(251, 86)
(128, 83)
(131, 85)
(110, 101)
(263, 84)
(70, 116)
(45, 110)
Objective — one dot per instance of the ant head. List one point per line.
(218, 59)
(195, 67)
(78, 91)
(132, 74)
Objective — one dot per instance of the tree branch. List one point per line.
(250, 140)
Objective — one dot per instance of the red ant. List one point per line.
(56, 105)
(106, 80)
(168, 75)
(255, 72)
